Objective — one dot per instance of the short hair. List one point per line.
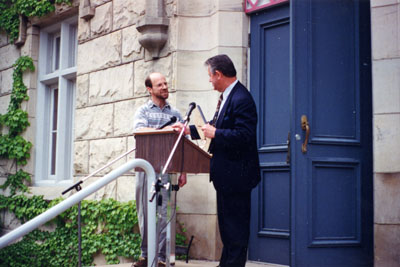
(221, 63)
(148, 82)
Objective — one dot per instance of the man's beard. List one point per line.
(162, 96)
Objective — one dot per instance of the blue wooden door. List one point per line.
(332, 168)
(315, 210)
(270, 86)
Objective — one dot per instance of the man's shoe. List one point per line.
(142, 262)
(161, 264)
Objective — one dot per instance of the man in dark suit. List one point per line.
(234, 166)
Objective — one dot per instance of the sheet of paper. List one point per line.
(198, 120)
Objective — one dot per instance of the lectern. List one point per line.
(155, 146)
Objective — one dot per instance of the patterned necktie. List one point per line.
(214, 120)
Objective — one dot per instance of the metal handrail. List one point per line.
(77, 197)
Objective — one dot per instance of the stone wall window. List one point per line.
(55, 103)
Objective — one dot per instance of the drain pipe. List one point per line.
(74, 199)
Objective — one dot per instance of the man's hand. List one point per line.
(178, 127)
(208, 130)
(182, 180)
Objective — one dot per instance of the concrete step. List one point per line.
(198, 263)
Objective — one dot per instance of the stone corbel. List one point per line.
(22, 31)
(154, 28)
(87, 11)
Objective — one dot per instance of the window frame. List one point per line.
(64, 79)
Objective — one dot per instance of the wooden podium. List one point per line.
(155, 146)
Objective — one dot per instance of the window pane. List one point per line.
(57, 53)
(72, 45)
(54, 114)
(55, 109)
(53, 153)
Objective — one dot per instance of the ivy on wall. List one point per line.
(108, 227)
(11, 9)
(12, 145)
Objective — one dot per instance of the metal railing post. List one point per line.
(79, 236)
(151, 225)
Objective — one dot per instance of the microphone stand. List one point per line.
(175, 146)
(157, 185)
(185, 123)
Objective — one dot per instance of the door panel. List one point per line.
(332, 181)
(275, 96)
(331, 178)
(270, 223)
(333, 58)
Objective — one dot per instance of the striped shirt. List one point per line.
(151, 115)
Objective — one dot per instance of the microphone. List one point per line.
(171, 121)
(189, 111)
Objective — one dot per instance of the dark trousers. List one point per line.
(234, 226)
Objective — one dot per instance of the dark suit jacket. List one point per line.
(234, 166)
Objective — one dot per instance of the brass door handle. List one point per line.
(306, 127)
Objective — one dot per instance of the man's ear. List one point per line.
(219, 74)
(149, 89)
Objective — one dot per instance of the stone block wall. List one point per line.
(111, 73)
(9, 53)
(112, 67)
(205, 28)
(385, 20)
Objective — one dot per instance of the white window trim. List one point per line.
(65, 79)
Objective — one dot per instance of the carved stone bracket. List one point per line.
(154, 28)
(87, 11)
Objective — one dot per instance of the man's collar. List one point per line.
(229, 89)
(151, 104)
